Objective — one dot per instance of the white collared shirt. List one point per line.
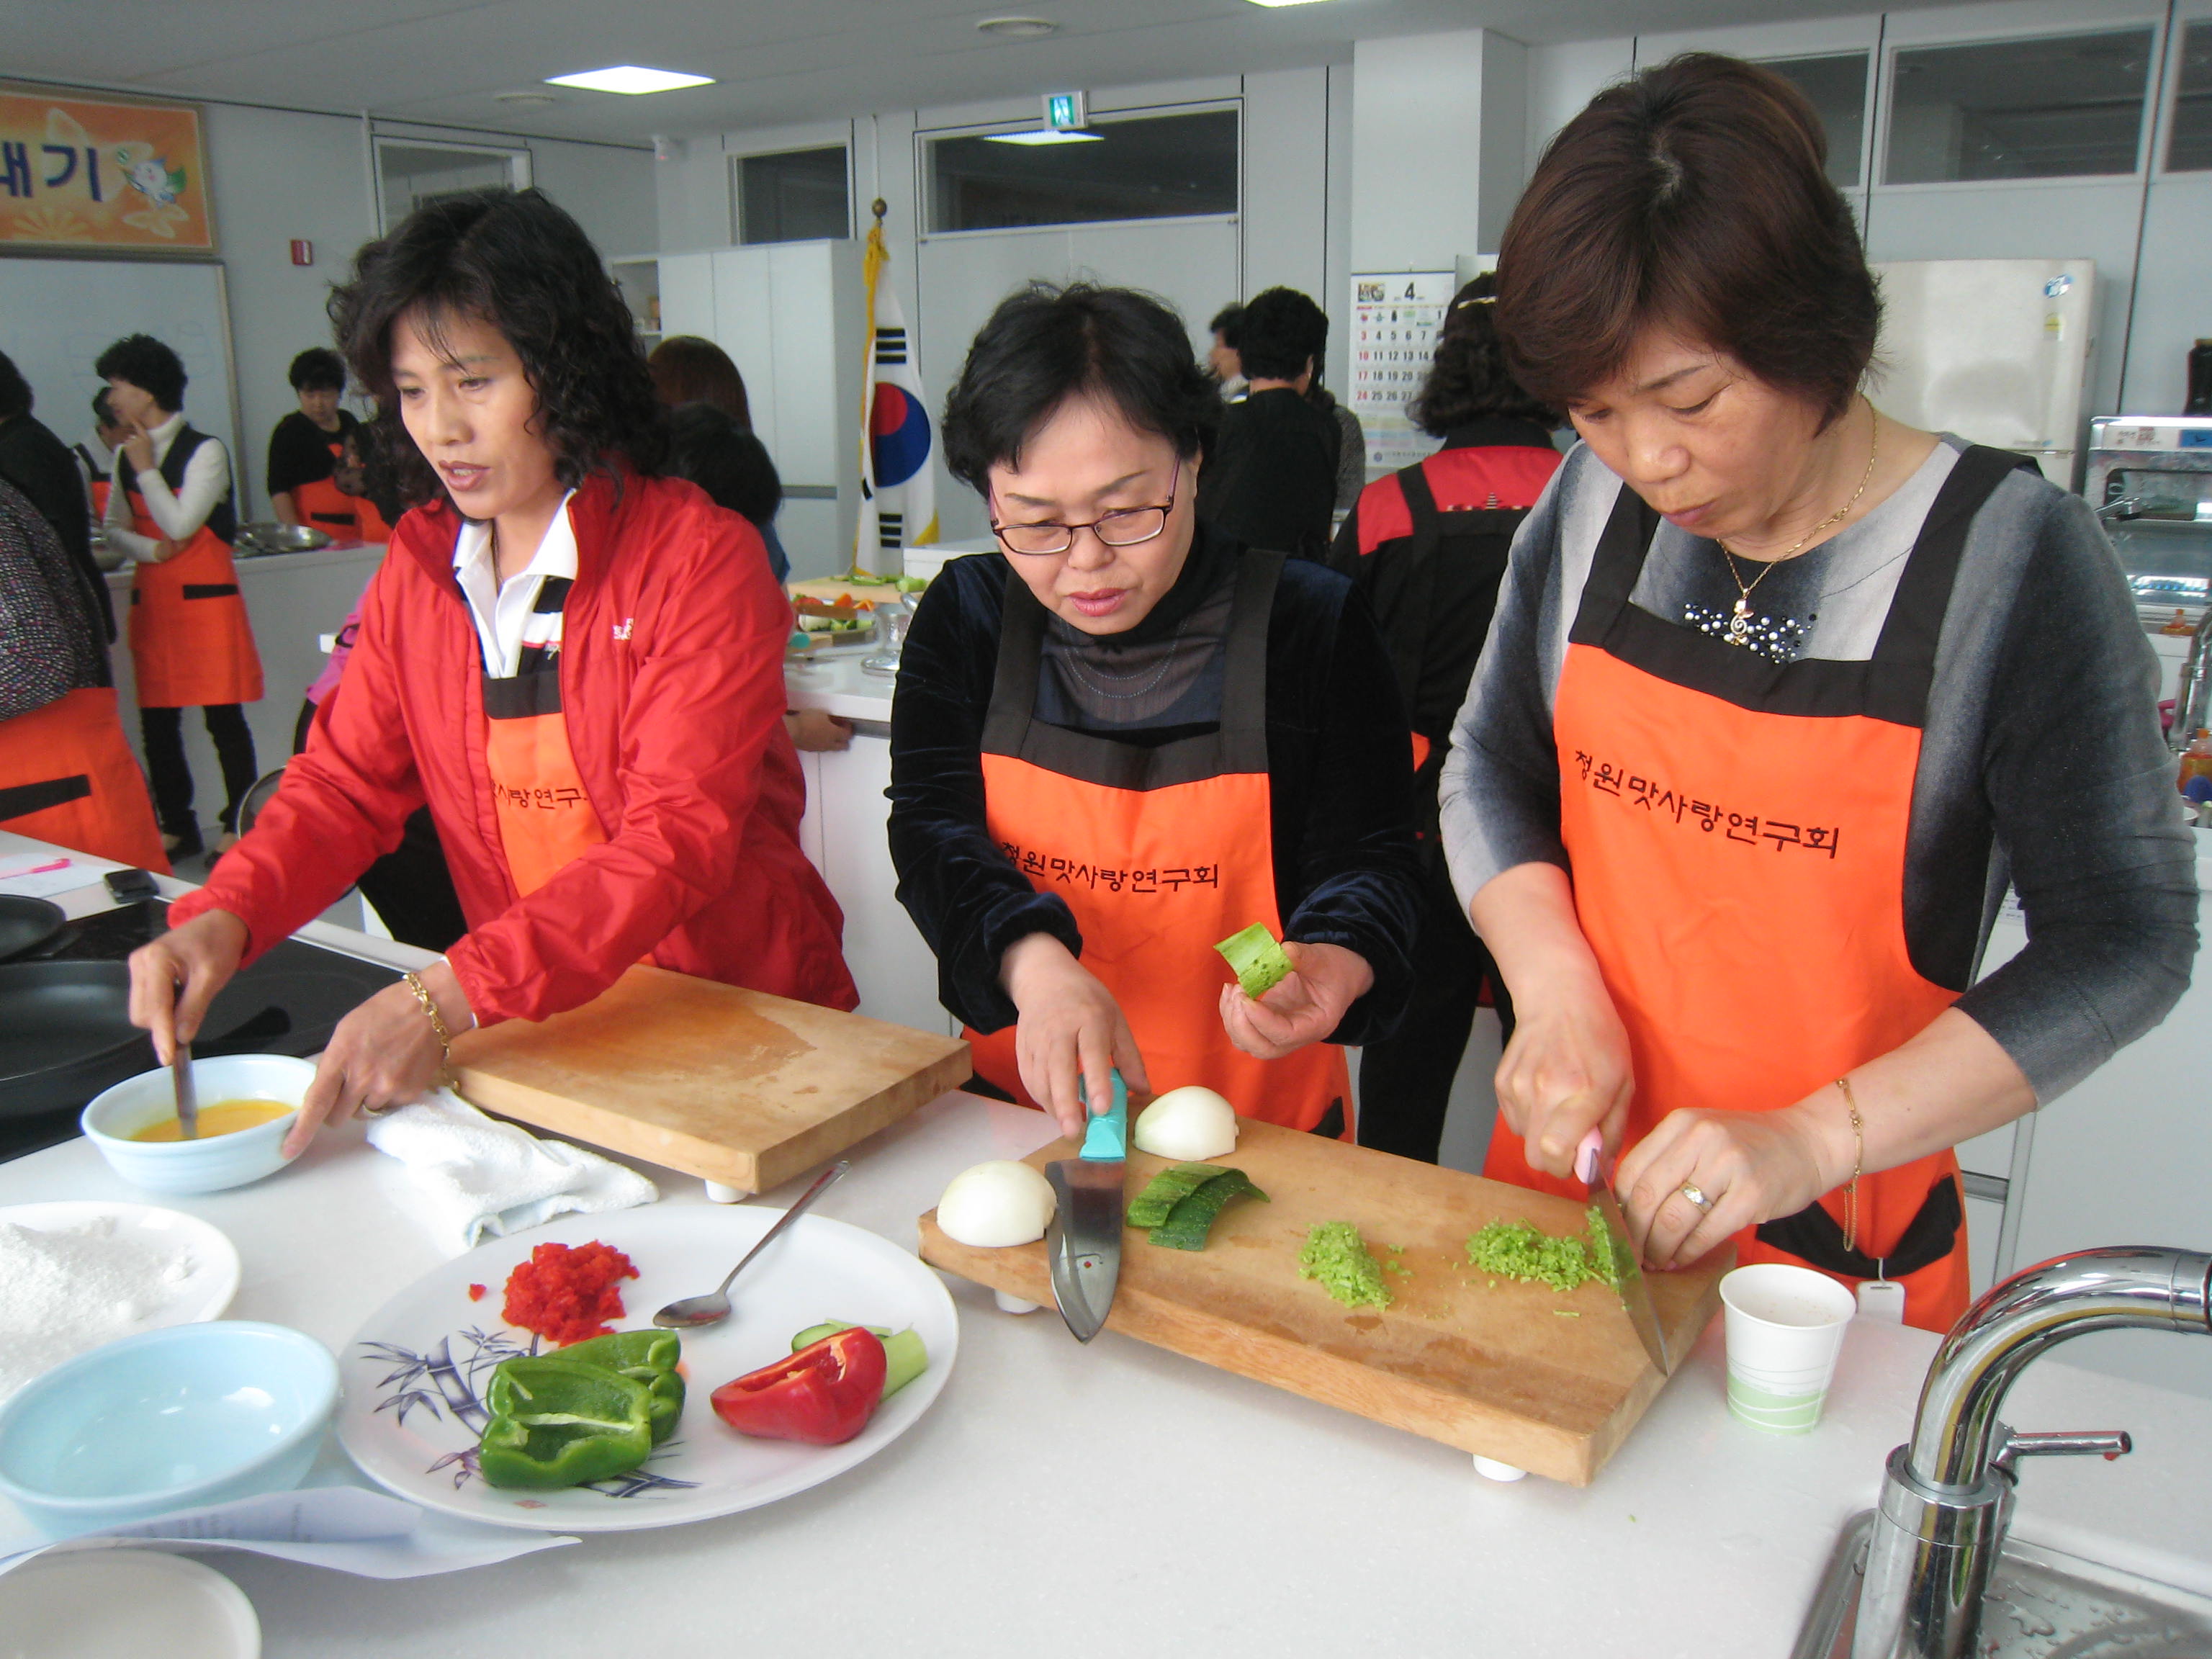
(179, 514)
(502, 610)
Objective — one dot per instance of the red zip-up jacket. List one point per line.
(671, 678)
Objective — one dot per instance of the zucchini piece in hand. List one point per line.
(1192, 1218)
(904, 1357)
(1169, 1188)
(1258, 959)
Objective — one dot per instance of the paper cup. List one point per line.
(1785, 1327)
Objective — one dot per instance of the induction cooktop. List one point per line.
(288, 1002)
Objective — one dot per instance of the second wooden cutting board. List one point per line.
(1517, 1372)
(737, 1086)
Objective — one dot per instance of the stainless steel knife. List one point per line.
(1083, 1245)
(188, 1094)
(1605, 1211)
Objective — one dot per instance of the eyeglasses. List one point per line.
(1127, 527)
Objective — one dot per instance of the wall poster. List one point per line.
(1394, 318)
(85, 173)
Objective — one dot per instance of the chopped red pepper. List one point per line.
(568, 1295)
(476, 1292)
(821, 1395)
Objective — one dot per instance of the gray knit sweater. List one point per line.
(2041, 764)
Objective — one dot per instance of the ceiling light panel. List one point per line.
(1046, 136)
(630, 80)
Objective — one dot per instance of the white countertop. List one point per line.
(833, 681)
(1116, 1500)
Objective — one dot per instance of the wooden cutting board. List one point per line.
(736, 1086)
(1503, 1371)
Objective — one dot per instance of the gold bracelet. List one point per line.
(1859, 1162)
(438, 1020)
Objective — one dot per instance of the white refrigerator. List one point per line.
(1999, 351)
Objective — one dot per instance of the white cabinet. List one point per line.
(845, 833)
(789, 315)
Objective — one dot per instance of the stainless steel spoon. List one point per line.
(713, 1308)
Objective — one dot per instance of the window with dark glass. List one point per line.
(1154, 167)
(1836, 82)
(2189, 149)
(796, 196)
(2054, 107)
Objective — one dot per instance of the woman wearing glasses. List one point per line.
(1127, 738)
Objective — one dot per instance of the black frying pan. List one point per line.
(65, 1033)
(26, 924)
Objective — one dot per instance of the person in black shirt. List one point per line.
(305, 449)
(40, 465)
(1271, 480)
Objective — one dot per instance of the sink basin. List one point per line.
(2041, 1605)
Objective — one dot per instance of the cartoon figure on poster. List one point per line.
(152, 177)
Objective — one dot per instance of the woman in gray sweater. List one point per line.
(1779, 695)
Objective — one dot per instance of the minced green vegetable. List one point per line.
(1335, 1255)
(1514, 1249)
(1606, 1247)
(1170, 1188)
(1192, 1218)
(1258, 961)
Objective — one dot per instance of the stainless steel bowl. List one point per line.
(272, 538)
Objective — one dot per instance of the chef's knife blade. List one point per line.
(1635, 1294)
(1083, 1245)
(188, 1094)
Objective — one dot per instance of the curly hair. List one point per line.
(142, 360)
(1044, 345)
(1281, 335)
(514, 260)
(1470, 379)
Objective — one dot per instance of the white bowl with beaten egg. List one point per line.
(115, 1120)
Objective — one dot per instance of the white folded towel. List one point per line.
(481, 1179)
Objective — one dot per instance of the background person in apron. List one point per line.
(1427, 547)
(575, 663)
(307, 447)
(1778, 692)
(1127, 738)
(171, 508)
(98, 463)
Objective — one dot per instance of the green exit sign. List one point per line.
(1064, 111)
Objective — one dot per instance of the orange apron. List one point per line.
(100, 488)
(191, 646)
(1736, 828)
(546, 818)
(67, 775)
(1160, 853)
(322, 506)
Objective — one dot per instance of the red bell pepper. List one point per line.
(822, 1395)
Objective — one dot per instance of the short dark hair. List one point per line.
(1044, 345)
(17, 396)
(102, 411)
(1284, 332)
(142, 360)
(1693, 197)
(1229, 324)
(519, 263)
(709, 446)
(690, 369)
(1470, 379)
(319, 369)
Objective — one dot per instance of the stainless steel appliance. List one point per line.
(2150, 480)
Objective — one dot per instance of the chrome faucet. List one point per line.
(2192, 702)
(1947, 1497)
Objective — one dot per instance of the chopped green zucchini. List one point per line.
(1335, 1255)
(1191, 1221)
(1167, 1189)
(1258, 959)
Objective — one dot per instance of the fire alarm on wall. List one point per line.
(303, 250)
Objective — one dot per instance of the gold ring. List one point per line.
(1695, 1194)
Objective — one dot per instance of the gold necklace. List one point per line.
(1739, 627)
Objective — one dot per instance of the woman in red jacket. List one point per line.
(575, 663)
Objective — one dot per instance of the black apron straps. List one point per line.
(1239, 744)
(1893, 684)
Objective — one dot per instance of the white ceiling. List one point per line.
(441, 60)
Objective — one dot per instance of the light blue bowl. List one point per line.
(166, 1420)
(198, 1166)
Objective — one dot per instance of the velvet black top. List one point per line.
(1339, 766)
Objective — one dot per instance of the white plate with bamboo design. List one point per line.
(416, 1372)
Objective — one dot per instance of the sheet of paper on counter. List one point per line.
(42, 875)
(371, 1534)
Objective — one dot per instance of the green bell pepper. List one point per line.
(650, 1358)
(554, 1424)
